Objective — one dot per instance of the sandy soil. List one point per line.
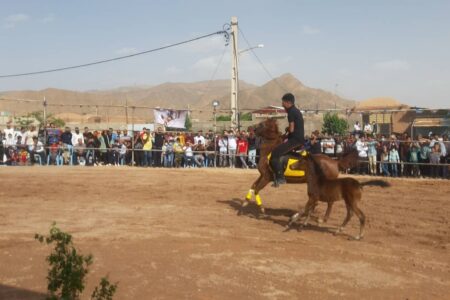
(175, 234)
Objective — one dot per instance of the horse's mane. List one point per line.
(269, 129)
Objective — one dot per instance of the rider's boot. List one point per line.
(278, 175)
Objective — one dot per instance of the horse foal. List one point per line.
(330, 191)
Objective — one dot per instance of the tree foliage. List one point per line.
(68, 269)
(105, 290)
(223, 118)
(29, 118)
(246, 117)
(332, 124)
(188, 123)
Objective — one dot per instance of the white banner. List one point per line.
(170, 117)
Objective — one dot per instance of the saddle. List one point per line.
(289, 160)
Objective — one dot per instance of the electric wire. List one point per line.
(116, 58)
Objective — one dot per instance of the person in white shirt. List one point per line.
(223, 148)
(76, 136)
(357, 127)
(10, 141)
(362, 148)
(37, 149)
(328, 146)
(8, 130)
(29, 135)
(368, 128)
(199, 137)
(188, 155)
(232, 147)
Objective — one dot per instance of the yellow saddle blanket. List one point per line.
(288, 171)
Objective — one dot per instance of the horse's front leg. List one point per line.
(249, 195)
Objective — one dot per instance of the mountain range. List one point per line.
(196, 96)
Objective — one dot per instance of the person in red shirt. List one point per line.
(242, 149)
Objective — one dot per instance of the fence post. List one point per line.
(132, 135)
(45, 121)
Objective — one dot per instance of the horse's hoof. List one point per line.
(355, 238)
(262, 216)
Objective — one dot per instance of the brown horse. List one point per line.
(268, 131)
(320, 188)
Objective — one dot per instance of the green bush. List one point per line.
(332, 124)
(105, 290)
(68, 269)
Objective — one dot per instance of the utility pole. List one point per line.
(234, 74)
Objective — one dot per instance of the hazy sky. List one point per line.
(361, 49)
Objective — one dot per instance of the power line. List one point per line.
(224, 32)
(260, 61)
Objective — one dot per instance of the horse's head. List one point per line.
(268, 129)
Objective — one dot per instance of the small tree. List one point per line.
(224, 118)
(246, 117)
(188, 123)
(332, 124)
(68, 269)
(104, 291)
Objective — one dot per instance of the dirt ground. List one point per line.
(175, 234)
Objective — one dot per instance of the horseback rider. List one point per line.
(295, 137)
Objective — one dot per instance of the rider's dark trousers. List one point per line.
(281, 150)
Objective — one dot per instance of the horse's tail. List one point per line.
(375, 182)
(349, 160)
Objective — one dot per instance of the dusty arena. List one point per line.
(175, 234)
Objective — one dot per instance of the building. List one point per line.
(391, 116)
(271, 111)
(382, 111)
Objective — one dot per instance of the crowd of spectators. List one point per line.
(378, 155)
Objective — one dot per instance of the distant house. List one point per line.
(383, 111)
(271, 111)
(430, 121)
(394, 117)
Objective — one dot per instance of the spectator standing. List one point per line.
(405, 145)
(178, 150)
(242, 148)
(223, 148)
(384, 158)
(8, 130)
(66, 140)
(372, 155)
(446, 159)
(252, 149)
(169, 154)
(362, 148)
(199, 138)
(357, 128)
(29, 135)
(157, 146)
(315, 143)
(424, 157)
(394, 159)
(199, 155)
(147, 148)
(103, 149)
(188, 155)
(368, 130)
(414, 153)
(232, 147)
(77, 136)
(37, 149)
(138, 147)
(328, 145)
(435, 159)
